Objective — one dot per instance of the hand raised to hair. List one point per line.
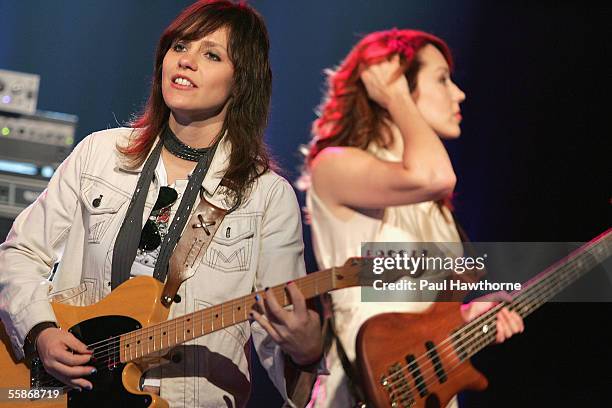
(508, 322)
(384, 82)
(297, 331)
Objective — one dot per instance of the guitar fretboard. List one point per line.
(163, 336)
(476, 335)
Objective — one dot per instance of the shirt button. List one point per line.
(96, 202)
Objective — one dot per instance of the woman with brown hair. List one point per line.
(200, 137)
(377, 171)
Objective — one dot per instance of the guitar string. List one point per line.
(478, 340)
(490, 316)
(477, 322)
(307, 282)
(176, 323)
(406, 391)
(520, 294)
(110, 351)
(113, 353)
(150, 330)
(206, 314)
(234, 302)
(106, 366)
(574, 257)
(199, 317)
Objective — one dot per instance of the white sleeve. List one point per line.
(33, 246)
(281, 259)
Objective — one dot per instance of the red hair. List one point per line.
(347, 116)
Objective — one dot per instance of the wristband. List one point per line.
(29, 345)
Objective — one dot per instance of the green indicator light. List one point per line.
(6, 131)
(69, 141)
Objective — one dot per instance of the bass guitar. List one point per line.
(422, 360)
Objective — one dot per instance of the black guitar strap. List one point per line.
(353, 377)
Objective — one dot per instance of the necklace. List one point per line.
(180, 149)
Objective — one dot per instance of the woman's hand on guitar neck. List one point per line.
(63, 356)
(297, 331)
(508, 322)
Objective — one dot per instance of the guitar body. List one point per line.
(388, 345)
(138, 300)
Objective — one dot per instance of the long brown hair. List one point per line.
(347, 116)
(248, 107)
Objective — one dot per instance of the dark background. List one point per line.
(533, 161)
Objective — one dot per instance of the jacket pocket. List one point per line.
(232, 246)
(82, 295)
(101, 202)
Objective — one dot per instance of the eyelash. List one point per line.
(213, 56)
(179, 47)
(175, 46)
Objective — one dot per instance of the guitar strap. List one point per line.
(196, 238)
(353, 377)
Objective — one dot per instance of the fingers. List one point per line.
(475, 308)
(76, 345)
(515, 322)
(72, 372)
(274, 318)
(503, 330)
(273, 309)
(266, 325)
(70, 375)
(56, 352)
(297, 299)
(73, 352)
(387, 65)
(479, 308)
(68, 358)
(77, 383)
(508, 323)
(384, 82)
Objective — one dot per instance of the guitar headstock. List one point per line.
(359, 271)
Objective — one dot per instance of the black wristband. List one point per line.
(29, 345)
(309, 368)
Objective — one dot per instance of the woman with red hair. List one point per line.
(377, 171)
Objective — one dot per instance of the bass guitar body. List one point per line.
(115, 384)
(405, 361)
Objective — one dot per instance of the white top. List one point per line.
(335, 240)
(145, 261)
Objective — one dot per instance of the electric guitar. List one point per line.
(128, 332)
(422, 360)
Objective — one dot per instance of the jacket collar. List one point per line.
(213, 177)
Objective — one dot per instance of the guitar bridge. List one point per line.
(397, 387)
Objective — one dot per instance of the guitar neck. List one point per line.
(481, 332)
(163, 336)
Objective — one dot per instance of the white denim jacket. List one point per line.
(258, 245)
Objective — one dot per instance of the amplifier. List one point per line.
(18, 91)
(17, 192)
(43, 139)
